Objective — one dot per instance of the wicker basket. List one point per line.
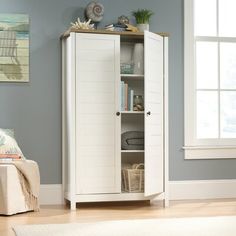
(134, 179)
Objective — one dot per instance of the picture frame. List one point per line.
(14, 48)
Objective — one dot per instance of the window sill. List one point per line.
(209, 152)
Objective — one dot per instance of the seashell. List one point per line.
(95, 11)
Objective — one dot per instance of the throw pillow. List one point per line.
(8, 144)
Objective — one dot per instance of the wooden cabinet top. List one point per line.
(124, 34)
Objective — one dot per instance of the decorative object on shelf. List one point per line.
(134, 178)
(119, 26)
(123, 19)
(82, 25)
(143, 27)
(131, 28)
(116, 27)
(94, 11)
(14, 48)
(142, 17)
(132, 140)
(127, 68)
(138, 55)
(138, 103)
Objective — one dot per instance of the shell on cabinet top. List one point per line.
(95, 11)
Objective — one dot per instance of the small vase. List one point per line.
(143, 27)
(138, 55)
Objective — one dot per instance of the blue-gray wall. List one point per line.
(34, 109)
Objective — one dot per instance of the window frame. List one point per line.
(199, 148)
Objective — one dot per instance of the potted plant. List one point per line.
(142, 17)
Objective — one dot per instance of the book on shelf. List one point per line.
(122, 95)
(131, 99)
(127, 95)
(109, 26)
(128, 99)
(116, 27)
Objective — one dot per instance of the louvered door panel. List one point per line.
(97, 80)
(154, 161)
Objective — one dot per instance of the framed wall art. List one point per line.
(14, 48)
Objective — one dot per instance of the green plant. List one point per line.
(142, 16)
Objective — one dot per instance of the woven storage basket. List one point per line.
(134, 179)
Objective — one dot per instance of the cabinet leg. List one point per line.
(166, 202)
(160, 202)
(73, 205)
(155, 202)
(66, 202)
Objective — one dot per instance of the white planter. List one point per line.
(143, 27)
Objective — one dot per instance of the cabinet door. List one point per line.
(154, 161)
(97, 126)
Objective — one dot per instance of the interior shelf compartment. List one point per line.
(131, 151)
(127, 162)
(132, 157)
(131, 77)
(132, 123)
(136, 85)
(138, 89)
(132, 112)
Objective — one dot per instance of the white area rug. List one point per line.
(207, 226)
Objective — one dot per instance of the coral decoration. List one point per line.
(82, 25)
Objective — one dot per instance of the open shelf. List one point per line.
(134, 194)
(132, 76)
(132, 112)
(131, 151)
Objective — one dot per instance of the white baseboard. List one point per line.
(51, 194)
(202, 189)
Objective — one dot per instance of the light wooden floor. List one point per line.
(118, 211)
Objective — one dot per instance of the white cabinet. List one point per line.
(93, 121)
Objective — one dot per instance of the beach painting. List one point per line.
(14, 48)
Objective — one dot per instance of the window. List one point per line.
(210, 77)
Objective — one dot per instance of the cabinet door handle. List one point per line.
(148, 113)
(118, 113)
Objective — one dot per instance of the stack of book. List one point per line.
(116, 27)
(127, 97)
(9, 157)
